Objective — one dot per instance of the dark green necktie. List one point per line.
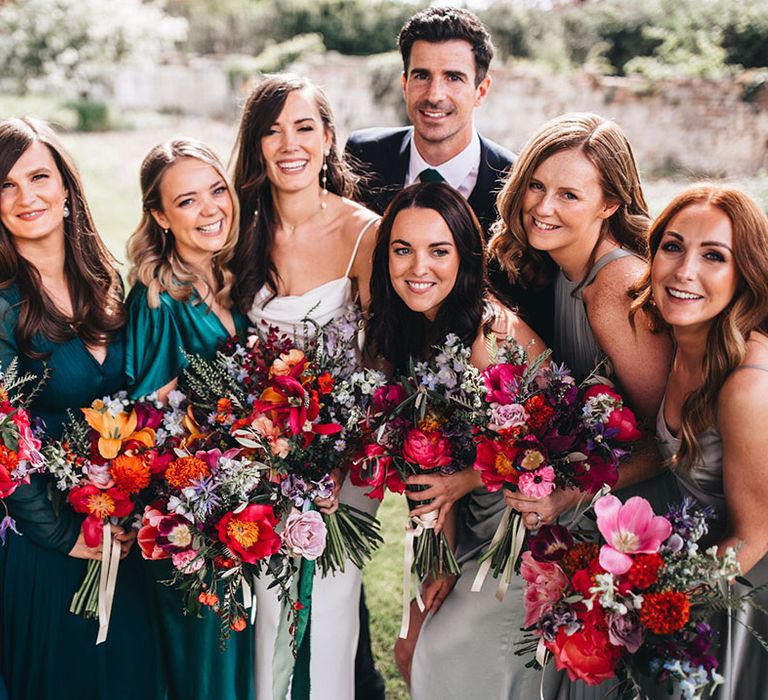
(430, 175)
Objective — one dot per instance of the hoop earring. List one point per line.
(324, 193)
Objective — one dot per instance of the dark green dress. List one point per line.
(48, 652)
(196, 668)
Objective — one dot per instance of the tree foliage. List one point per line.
(73, 45)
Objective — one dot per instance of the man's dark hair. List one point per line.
(436, 24)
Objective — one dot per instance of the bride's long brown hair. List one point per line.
(746, 312)
(94, 285)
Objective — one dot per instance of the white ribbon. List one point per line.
(428, 521)
(249, 596)
(512, 519)
(110, 561)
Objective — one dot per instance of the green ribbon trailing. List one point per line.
(301, 682)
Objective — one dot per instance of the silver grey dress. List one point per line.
(467, 649)
(575, 345)
(743, 662)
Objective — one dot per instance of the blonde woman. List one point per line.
(180, 302)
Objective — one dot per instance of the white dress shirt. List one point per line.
(460, 172)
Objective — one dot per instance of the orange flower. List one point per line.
(115, 430)
(130, 473)
(223, 410)
(665, 612)
(325, 383)
(184, 470)
(238, 624)
(287, 360)
(8, 458)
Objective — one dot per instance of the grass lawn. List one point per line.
(110, 166)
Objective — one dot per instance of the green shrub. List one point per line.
(92, 115)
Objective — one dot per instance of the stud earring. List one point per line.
(165, 231)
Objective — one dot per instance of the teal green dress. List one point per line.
(156, 339)
(48, 652)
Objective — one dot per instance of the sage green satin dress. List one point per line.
(48, 652)
(156, 340)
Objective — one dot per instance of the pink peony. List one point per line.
(537, 484)
(187, 561)
(387, 397)
(28, 444)
(628, 529)
(545, 581)
(427, 448)
(304, 534)
(501, 382)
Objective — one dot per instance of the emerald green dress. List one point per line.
(195, 667)
(48, 652)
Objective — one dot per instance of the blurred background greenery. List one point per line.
(60, 60)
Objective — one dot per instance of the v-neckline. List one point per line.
(210, 311)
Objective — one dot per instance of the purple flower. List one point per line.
(625, 631)
(560, 616)
(324, 487)
(551, 543)
(7, 523)
(295, 488)
(304, 534)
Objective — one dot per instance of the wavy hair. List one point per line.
(746, 312)
(155, 261)
(94, 284)
(608, 149)
(253, 264)
(394, 331)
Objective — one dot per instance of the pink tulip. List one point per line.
(628, 529)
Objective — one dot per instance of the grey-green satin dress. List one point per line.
(742, 660)
(466, 650)
(195, 667)
(575, 345)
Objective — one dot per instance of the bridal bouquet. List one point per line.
(19, 448)
(103, 465)
(634, 606)
(421, 423)
(281, 404)
(544, 431)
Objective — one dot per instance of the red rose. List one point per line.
(588, 654)
(427, 448)
(495, 460)
(250, 534)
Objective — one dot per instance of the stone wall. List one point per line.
(692, 127)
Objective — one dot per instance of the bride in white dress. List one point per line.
(304, 251)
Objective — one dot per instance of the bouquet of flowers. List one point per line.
(214, 515)
(544, 431)
(634, 606)
(20, 453)
(421, 423)
(103, 465)
(280, 402)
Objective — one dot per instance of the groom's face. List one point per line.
(440, 91)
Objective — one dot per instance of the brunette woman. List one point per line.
(180, 303)
(61, 308)
(429, 280)
(708, 283)
(304, 252)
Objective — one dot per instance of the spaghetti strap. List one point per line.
(357, 244)
(762, 367)
(602, 261)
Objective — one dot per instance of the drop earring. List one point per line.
(65, 211)
(324, 193)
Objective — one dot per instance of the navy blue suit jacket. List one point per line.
(382, 155)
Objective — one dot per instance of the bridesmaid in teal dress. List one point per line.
(61, 307)
(180, 302)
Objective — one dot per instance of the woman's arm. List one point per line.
(742, 407)
(641, 359)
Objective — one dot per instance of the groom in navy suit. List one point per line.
(446, 54)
